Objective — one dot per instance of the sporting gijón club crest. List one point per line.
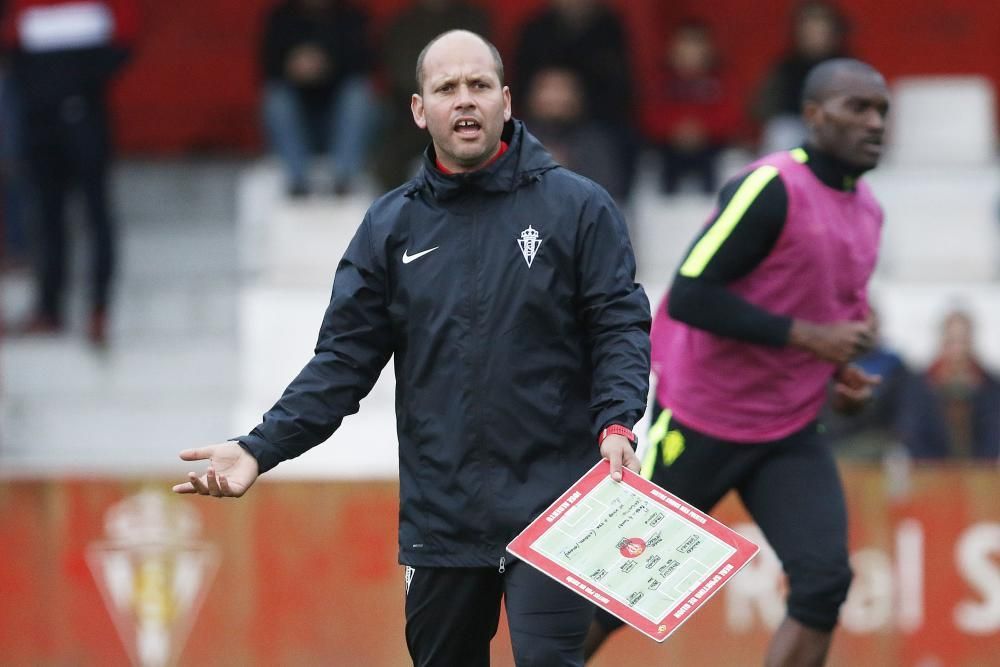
(529, 242)
(153, 570)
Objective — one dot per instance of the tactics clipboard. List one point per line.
(633, 549)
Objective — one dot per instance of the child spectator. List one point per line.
(690, 115)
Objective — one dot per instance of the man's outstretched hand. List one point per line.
(231, 471)
(618, 450)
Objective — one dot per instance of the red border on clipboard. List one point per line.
(662, 628)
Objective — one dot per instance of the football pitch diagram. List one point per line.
(641, 553)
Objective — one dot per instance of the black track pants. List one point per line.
(452, 614)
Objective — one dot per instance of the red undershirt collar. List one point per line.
(500, 151)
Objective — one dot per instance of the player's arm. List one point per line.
(615, 314)
(355, 342)
(750, 217)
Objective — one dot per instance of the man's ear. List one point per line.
(417, 108)
(812, 114)
(506, 103)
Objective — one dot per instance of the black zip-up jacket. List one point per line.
(506, 369)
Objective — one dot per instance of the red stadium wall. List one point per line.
(306, 574)
(193, 84)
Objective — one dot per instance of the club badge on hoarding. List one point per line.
(153, 574)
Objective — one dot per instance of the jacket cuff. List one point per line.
(266, 455)
(606, 418)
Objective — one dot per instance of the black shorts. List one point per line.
(452, 614)
(790, 487)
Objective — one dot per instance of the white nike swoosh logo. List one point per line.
(409, 258)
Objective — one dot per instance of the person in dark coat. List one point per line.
(590, 39)
(953, 412)
(317, 58)
(819, 33)
(503, 286)
(63, 58)
(397, 156)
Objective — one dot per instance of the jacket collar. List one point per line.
(524, 161)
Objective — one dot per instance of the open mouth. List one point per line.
(467, 127)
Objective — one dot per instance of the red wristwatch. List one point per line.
(618, 429)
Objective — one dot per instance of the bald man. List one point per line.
(765, 313)
(503, 286)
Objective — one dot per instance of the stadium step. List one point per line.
(167, 379)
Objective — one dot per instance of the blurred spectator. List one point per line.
(956, 413)
(881, 426)
(590, 39)
(819, 32)
(318, 95)
(690, 116)
(63, 58)
(12, 185)
(405, 35)
(555, 116)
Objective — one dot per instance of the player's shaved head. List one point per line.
(830, 76)
(845, 104)
(497, 61)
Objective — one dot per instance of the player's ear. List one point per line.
(506, 103)
(812, 114)
(417, 109)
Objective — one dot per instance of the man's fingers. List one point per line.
(196, 454)
(213, 482)
(870, 380)
(632, 462)
(197, 483)
(615, 457)
(854, 393)
(855, 377)
(224, 485)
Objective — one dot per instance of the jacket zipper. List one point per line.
(480, 426)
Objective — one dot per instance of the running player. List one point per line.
(768, 307)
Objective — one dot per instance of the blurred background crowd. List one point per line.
(658, 102)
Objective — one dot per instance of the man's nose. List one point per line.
(875, 120)
(464, 98)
